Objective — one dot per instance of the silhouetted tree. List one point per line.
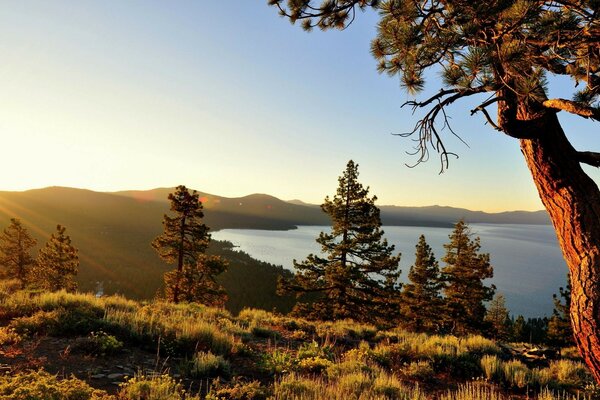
(357, 276)
(518, 328)
(184, 241)
(421, 300)
(15, 248)
(463, 274)
(501, 51)
(497, 318)
(57, 263)
(560, 332)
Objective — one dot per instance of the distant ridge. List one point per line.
(113, 231)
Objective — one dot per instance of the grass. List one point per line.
(262, 355)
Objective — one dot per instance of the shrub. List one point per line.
(100, 343)
(206, 364)
(313, 350)
(569, 373)
(254, 316)
(419, 370)
(492, 367)
(158, 387)
(293, 386)
(314, 364)
(277, 362)
(8, 336)
(179, 328)
(239, 391)
(40, 385)
(516, 374)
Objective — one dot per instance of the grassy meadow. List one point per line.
(76, 346)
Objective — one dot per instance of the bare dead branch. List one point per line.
(481, 108)
(427, 129)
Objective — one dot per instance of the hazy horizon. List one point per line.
(378, 203)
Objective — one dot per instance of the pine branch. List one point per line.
(573, 107)
(589, 157)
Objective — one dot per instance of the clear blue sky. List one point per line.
(228, 98)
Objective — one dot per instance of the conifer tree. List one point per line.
(498, 319)
(499, 53)
(198, 282)
(356, 275)
(184, 241)
(560, 332)
(463, 274)
(57, 263)
(15, 247)
(518, 330)
(421, 297)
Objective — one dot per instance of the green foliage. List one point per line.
(560, 331)
(101, 344)
(421, 298)
(156, 387)
(492, 366)
(40, 385)
(206, 364)
(184, 241)
(238, 391)
(60, 321)
(357, 275)
(15, 246)
(463, 274)
(419, 370)
(277, 361)
(9, 336)
(57, 264)
(497, 318)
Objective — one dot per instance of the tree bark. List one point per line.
(572, 199)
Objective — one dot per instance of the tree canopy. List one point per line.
(184, 241)
(15, 251)
(356, 274)
(57, 263)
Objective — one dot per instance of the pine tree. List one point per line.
(499, 53)
(463, 274)
(356, 275)
(560, 332)
(57, 263)
(421, 298)
(498, 319)
(198, 283)
(184, 241)
(15, 247)
(518, 330)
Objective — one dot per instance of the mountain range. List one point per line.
(113, 231)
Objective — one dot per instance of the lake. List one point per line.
(528, 264)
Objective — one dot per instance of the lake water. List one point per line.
(528, 264)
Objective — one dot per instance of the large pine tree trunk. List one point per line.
(572, 199)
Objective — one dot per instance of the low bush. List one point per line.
(206, 364)
(157, 387)
(40, 385)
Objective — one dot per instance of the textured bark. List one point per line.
(572, 199)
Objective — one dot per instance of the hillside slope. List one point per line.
(113, 232)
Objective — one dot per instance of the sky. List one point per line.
(228, 98)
